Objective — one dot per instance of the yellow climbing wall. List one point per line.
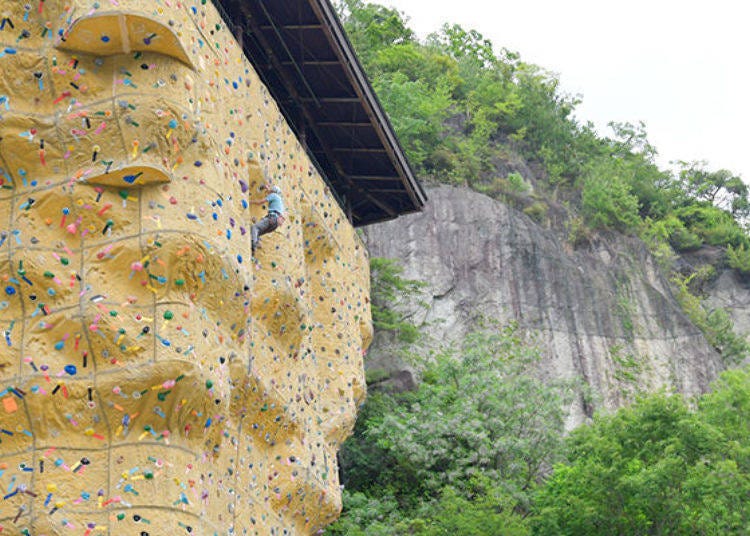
(154, 378)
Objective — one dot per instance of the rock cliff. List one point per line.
(604, 315)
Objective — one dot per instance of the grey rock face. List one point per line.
(729, 291)
(605, 316)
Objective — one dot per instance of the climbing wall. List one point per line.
(154, 378)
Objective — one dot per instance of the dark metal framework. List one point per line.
(302, 54)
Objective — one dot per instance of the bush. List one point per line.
(739, 259)
(578, 233)
(537, 211)
(656, 237)
(715, 324)
(715, 226)
(389, 291)
(679, 237)
(657, 468)
(516, 184)
(476, 437)
(607, 202)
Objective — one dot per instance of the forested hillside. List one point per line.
(478, 447)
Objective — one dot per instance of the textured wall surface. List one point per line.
(154, 379)
(604, 316)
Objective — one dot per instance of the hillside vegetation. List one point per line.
(461, 111)
(478, 447)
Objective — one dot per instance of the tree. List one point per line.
(417, 112)
(720, 188)
(606, 199)
(389, 290)
(481, 429)
(656, 468)
(465, 44)
(372, 27)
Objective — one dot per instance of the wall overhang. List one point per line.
(302, 54)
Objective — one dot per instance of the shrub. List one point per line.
(654, 468)
(715, 324)
(463, 453)
(389, 291)
(608, 204)
(578, 233)
(517, 184)
(537, 211)
(679, 237)
(715, 226)
(739, 259)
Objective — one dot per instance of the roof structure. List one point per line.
(302, 54)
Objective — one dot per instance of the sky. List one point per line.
(680, 66)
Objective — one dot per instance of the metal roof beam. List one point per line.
(374, 178)
(371, 150)
(314, 63)
(311, 123)
(289, 55)
(345, 125)
(292, 26)
(333, 100)
(337, 37)
(298, 72)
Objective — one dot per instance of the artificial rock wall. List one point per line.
(154, 379)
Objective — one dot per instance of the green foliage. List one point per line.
(607, 202)
(655, 235)
(739, 259)
(712, 224)
(455, 102)
(631, 157)
(478, 411)
(515, 191)
(656, 468)
(487, 511)
(728, 407)
(417, 112)
(733, 347)
(537, 211)
(680, 238)
(627, 367)
(372, 27)
(626, 472)
(516, 184)
(483, 95)
(476, 437)
(578, 233)
(368, 515)
(716, 324)
(388, 291)
(468, 45)
(625, 310)
(719, 188)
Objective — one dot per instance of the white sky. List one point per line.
(681, 66)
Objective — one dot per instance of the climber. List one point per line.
(273, 219)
